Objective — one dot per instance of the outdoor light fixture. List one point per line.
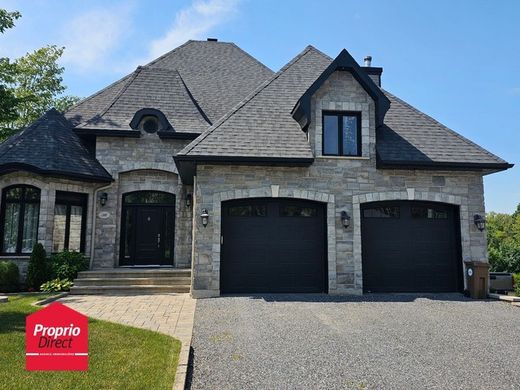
(103, 198)
(480, 222)
(188, 199)
(345, 219)
(204, 216)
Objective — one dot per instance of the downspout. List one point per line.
(94, 213)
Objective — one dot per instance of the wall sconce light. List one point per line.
(480, 222)
(188, 200)
(103, 198)
(204, 216)
(345, 219)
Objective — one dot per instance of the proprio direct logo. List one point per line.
(56, 339)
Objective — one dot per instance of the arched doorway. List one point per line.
(147, 228)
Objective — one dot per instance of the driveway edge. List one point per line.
(186, 328)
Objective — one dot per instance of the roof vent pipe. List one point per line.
(368, 61)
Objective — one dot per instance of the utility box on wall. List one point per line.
(477, 277)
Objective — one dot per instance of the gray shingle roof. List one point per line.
(157, 88)
(262, 125)
(218, 75)
(49, 146)
(409, 135)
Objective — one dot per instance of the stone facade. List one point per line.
(139, 164)
(343, 183)
(48, 188)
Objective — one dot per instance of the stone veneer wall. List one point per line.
(343, 183)
(138, 164)
(48, 187)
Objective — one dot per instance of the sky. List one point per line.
(458, 61)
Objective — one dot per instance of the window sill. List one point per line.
(342, 157)
(7, 256)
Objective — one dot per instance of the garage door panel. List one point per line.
(412, 249)
(279, 249)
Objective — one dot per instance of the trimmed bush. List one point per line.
(9, 277)
(516, 277)
(66, 265)
(56, 285)
(38, 270)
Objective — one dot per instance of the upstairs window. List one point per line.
(341, 134)
(70, 217)
(19, 219)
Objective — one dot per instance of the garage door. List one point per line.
(272, 246)
(410, 247)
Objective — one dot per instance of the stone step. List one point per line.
(150, 281)
(129, 289)
(135, 273)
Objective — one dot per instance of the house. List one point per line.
(311, 179)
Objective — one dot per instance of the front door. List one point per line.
(147, 230)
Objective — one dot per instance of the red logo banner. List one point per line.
(56, 339)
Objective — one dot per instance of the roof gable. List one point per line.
(260, 129)
(343, 62)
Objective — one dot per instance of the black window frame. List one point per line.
(22, 201)
(340, 115)
(69, 199)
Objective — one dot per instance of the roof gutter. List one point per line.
(13, 167)
(433, 165)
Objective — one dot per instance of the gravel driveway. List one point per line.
(376, 342)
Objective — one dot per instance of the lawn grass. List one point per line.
(121, 357)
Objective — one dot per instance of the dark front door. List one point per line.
(147, 230)
(273, 246)
(410, 246)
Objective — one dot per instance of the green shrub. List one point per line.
(516, 277)
(38, 270)
(66, 265)
(9, 276)
(56, 285)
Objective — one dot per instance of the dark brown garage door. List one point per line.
(410, 247)
(273, 246)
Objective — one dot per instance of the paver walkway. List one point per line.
(171, 314)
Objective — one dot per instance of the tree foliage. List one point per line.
(29, 85)
(503, 232)
(7, 19)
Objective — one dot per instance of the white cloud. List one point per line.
(193, 22)
(90, 38)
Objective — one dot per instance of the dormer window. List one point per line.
(149, 123)
(151, 120)
(341, 133)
